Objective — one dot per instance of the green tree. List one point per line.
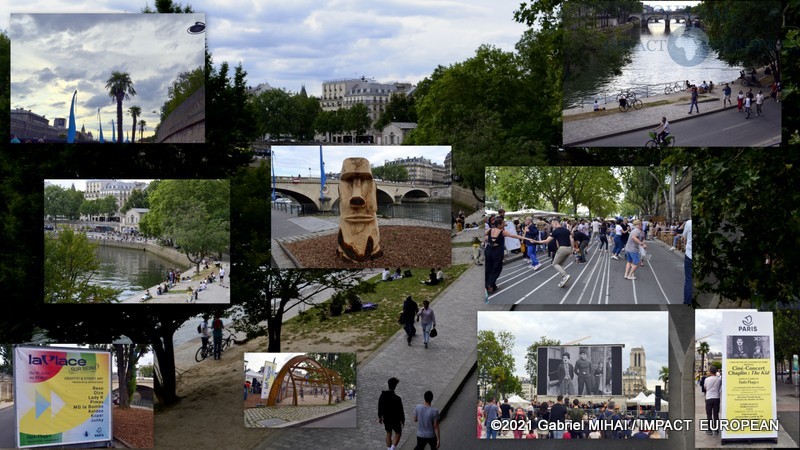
(750, 46)
(391, 172)
(135, 112)
(227, 105)
(167, 6)
(74, 200)
(120, 87)
(496, 358)
(532, 357)
(275, 112)
(787, 328)
(69, 267)
(137, 199)
(5, 78)
(195, 214)
(703, 349)
(55, 200)
(186, 84)
(356, 120)
(142, 124)
(342, 363)
(663, 375)
(147, 371)
(401, 108)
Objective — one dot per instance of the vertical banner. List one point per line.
(62, 396)
(269, 378)
(748, 405)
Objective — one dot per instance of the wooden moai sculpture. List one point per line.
(359, 238)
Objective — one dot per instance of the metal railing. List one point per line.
(611, 96)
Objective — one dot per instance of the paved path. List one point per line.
(436, 368)
(214, 293)
(589, 131)
(288, 416)
(599, 281)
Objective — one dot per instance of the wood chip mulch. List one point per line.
(403, 246)
(134, 426)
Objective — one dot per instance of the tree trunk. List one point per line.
(133, 132)
(119, 118)
(122, 371)
(165, 385)
(274, 332)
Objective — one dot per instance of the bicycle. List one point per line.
(673, 88)
(668, 141)
(205, 352)
(635, 104)
(628, 94)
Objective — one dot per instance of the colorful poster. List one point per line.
(269, 378)
(748, 405)
(63, 396)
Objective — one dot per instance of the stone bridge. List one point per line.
(667, 16)
(306, 191)
(187, 123)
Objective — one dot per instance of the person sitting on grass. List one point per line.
(433, 280)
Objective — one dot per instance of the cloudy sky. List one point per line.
(708, 326)
(604, 327)
(255, 361)
(296, 160)
(52, 55)
(304, 42)
(80, 185)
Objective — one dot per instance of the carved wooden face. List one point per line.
(359, 238)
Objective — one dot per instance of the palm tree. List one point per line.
(134, 111)
(703, 349)
(663, 375)
(142, 124)
(120, 87)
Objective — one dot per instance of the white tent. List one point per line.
(517, 401)
(638, 399)
(651, 400)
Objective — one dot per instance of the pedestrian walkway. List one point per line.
(703, 440)
(440, 368)
(289, 416)
(674, 107)
(214, 292)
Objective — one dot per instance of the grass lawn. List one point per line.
(369, 329)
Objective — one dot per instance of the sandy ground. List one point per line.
(211, 410)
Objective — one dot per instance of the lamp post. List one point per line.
(778, 46)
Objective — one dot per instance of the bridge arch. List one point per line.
(302, 199)
(416, 195)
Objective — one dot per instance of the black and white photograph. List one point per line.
(748, 347)
(580, 370)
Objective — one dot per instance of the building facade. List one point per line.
(344, 93)
(29, 126)
(121, 190)
(634, 378)
(421, 170)
(395, 133)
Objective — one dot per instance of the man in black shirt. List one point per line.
(558, 413)
(505, 413)
(564, 241)
(583, 241)
(390, 414)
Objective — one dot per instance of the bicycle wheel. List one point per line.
(201, 354)
(650, 144)
(227, 343)
(623, 108)
(671, 142)
(637, 104)
(667, 90)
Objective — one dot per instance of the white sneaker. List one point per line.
(615, 257)
(564, 281)
(536, 267)
(631, 277)
(671, 248)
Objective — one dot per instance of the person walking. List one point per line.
(410, 309)
(564, 243)
(740, 101)
(759, 102)
(427, 419)
(635, 242)
(519, 419)
(617, 240)
(391, 415)
(712, 385)
(221, 275)
(490, 413)
(687, 263)
(428, 320)
(726, 95)
(603, 237)
(216, 327)
(747, 102)
(205, 335)
(694, 101)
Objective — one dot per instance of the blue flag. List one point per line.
(71, 129)
(272, 152)
(100, 124)
(322, 176)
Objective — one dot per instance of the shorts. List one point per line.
(392, 426)
(632, 257)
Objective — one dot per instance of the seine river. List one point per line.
(131, 270)
(659, 57)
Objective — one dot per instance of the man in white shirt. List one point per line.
(712, 384)
(595, 228)
(687, 263)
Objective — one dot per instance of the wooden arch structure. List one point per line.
(304, 372)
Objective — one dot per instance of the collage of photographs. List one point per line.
(399, 224)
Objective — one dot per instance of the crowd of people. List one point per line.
(583, 418)
(561, 238)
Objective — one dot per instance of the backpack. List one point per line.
(198, 329)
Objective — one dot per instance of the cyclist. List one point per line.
(662, 131)
(204, 333)
(623, 102)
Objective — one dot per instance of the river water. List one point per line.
(658, 57)
(131, 270)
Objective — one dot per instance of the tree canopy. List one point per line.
(737, 45)
(391, 172)
(70, 264)
(496, 360)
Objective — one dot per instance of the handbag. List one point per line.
(434, 333)
(401, 318)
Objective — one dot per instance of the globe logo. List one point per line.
(688, 46)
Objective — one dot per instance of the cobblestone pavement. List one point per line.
(289, 415)
(576, 131)
(417, 368)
